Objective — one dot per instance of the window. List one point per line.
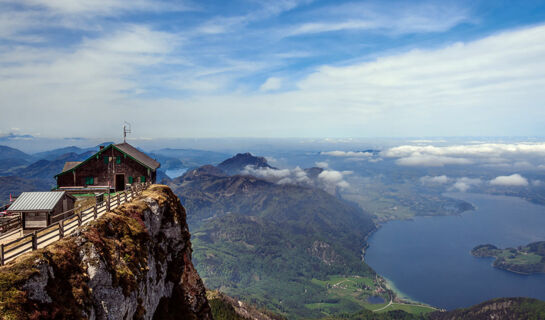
(142, 179)
(118, 159)
(130, 180)
(89, 180)
(106, 160)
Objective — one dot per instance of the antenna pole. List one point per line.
(125, 131)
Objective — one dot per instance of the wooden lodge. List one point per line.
(112, 168)
(37, 208)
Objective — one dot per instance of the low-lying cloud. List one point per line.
(514, 180)
(463, 184)
(418, 159)
(328, 180)
(516, 155)
(431, 180)
(338, 153)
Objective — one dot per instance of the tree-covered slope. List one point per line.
(265, 242)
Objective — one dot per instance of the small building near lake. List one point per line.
(112, 168)
(37, 208)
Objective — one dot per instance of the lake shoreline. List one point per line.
(475, 199)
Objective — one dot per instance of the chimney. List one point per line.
(101, 147)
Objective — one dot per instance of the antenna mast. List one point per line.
(126, 129)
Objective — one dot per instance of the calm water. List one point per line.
(429, 259)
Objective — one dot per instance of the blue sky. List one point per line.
(288, 68)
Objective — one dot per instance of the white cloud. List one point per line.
(100, 7)
(537, 183)
(514, 180)
(333, 178)
(463, 184)
(434, 179)
(436, 89)
(397, 19)
(478, 150)
(322, 164)
(346, 153)
(418, 159)
(328, 180)
(271, 84)
(490, 154)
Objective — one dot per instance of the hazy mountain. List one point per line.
(56, 153)
(237, 163)
(11, 158)
(15, 185)
(12, 153)
(192, 157)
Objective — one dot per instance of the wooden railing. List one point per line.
(65, 223)
(10, 224)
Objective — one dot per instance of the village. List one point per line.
(85, 190)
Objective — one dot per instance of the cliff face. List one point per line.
(133, 263)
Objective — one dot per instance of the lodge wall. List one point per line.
(102, 171)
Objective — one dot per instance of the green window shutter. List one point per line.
(130, 180)
(142, 179)
(89, 180)
(118, 159)
(106, 159)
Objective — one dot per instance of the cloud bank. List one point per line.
(328, 179)
(434, 180)
(514, 180)
(522, 155)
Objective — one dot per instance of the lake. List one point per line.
(428, 259)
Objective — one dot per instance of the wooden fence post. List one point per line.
(61, 230)
(34, 241)
(118, 200)
(79, 219)
(2, 254)
(95, 210)
(108, 203)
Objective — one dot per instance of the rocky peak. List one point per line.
(237, 163)
(132, 263)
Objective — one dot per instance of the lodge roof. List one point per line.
(70, 165)
(125, 148)
(35, 201)
(138, 155)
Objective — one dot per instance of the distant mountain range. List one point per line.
(265, 241)
(29, 172)
(21, 172)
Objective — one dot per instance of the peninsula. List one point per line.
(527, 259)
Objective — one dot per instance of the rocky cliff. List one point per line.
(132, 263)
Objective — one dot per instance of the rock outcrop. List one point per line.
(132, 263)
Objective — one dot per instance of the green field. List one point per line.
(355, 291)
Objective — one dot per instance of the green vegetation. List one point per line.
(524, 259)
(264, 243)
(400, 199)
(501, 308)
(358, 290)
(224, 307)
